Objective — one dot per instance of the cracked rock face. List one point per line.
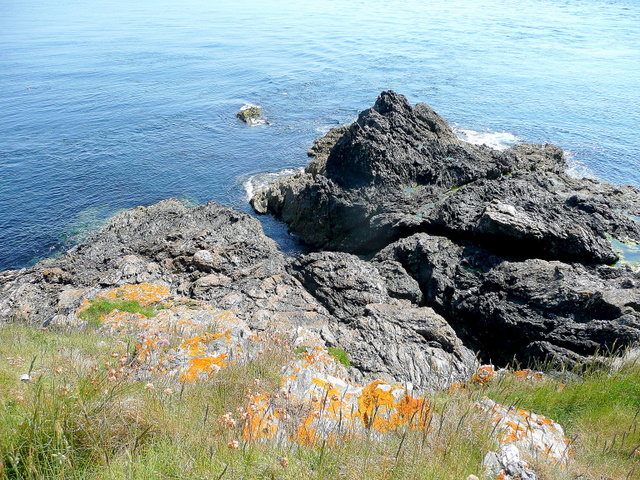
(509, 249)
(221, 260)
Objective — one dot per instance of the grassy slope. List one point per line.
(80, 418)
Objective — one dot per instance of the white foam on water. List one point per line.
(260, 181)
(496, 140)
(577, 169)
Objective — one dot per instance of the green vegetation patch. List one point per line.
(100, 308)
(340, 355)
(301, 350)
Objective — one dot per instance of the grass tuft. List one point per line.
(340, 355)
(99, 308)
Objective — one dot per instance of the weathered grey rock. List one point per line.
(400, 343)
(385, 337)
(343, 283)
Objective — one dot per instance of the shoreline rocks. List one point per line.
(512, 251)
(251, 115)
(221, 260)
(434, 250)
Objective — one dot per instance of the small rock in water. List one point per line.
(250, 114)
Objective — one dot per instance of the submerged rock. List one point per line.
(509, 248)
(250, 114)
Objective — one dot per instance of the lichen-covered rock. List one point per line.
(317, 402)
(535, 434)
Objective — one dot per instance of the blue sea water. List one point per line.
(106, 105)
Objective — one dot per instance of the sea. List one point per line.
(107, 105)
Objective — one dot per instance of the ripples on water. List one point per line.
(109, 105)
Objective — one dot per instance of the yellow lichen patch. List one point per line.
(144, 293)
(415, 412)
(120, 320)
(83, 306)
(203, 367)
(196, 346)
(457, 387)
(306, 434)
(259, 424)
(528, 374)
(379, 410)
(226, 320)
(513, 432)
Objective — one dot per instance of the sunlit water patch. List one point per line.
(629, 253)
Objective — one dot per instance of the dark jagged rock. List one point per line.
(523, 309)
(387, 338)
(506, 245)
(221, 258)
(399, 169)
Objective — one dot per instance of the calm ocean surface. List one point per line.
(106, 105)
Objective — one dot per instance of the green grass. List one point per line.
(100, 308)
(599, 410)
(74, 420)
(340, 355)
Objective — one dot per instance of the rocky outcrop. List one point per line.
(525, 309)
(389, 338)
(506, 246)
(168, 255)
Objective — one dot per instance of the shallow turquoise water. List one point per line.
(109, 105)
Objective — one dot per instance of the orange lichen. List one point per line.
(196, 346)
(203, 365)
(144, 293)
(306, 435)
(258, 423)
(483, 375)
(528, 374)
(457, 387)
(379, 410)
(83, 306)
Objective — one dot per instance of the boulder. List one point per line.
(250, 114)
